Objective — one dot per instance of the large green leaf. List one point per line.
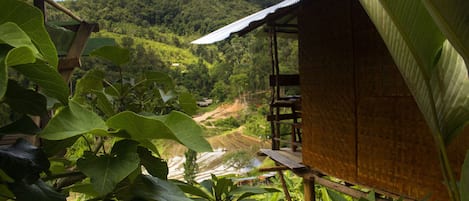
(23, 161)
(434, 72)
(90, 82)
(5, 192)
(62, 38)
(248, 191)
(30, 21)
(19, 55)
(25, 101)
(115, 54)
(452, 18)
(157, 167)
(38, 191)
(334, 196)
(108, 170)
(13, 35)
(15, 56)
(50, 81)
(84, 188)
(464, 184)
(175, 126)
(187, 130)
(154, 189)
(24, 125)
(95, 43)
(188, 103)
(160, 78)
(70, 121)
(193, 190)
(103, 104)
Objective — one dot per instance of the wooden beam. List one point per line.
(273, 169)
(76, 49)
(284, 160)
(284, 185)
(309, 191)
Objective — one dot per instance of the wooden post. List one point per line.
(309, 192)
(284, 185)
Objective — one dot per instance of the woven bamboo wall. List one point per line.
(327, 80)
(360, 122)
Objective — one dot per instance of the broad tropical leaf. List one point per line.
(115, 54)
(160, 79)
(465, 179)
(25, 101)
(38, 191)
(71, 121)
(334, 196)
(13, 35)
(188, 103)
(85, 188)
(193, 190)
(174, 126)
(23, 161)
(24, 125)
(108, 170)
(157, 167)
(90, 82)
(31, 21)
(452, 18)
(5, 192)
(187, 130)
(48, 78)
(155, 189)
(433, 70)
(95, 43)
(248, 191)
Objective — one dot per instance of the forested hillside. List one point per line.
(159, 32)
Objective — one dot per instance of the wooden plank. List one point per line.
(342, 188)
(283, 160)
(273, 169)
(77, 47)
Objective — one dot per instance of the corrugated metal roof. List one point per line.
(245, 24)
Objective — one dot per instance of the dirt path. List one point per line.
(222, 111)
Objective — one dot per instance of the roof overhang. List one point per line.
(280, 15)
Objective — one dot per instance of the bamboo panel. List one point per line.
(328, 113)
(360, 123)
(395, 148)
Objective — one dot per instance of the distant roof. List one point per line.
(250, 22)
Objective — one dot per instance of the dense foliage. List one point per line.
(159, 35)
(107, 116)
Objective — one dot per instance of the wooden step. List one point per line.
(284, 158)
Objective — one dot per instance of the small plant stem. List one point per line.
(99, 145)
(57, 176)
(87, 142)
(447, 171)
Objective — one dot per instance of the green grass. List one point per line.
(168, 53)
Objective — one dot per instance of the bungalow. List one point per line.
(357, 120)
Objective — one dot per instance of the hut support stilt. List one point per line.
(284, 185)
(309, 192)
